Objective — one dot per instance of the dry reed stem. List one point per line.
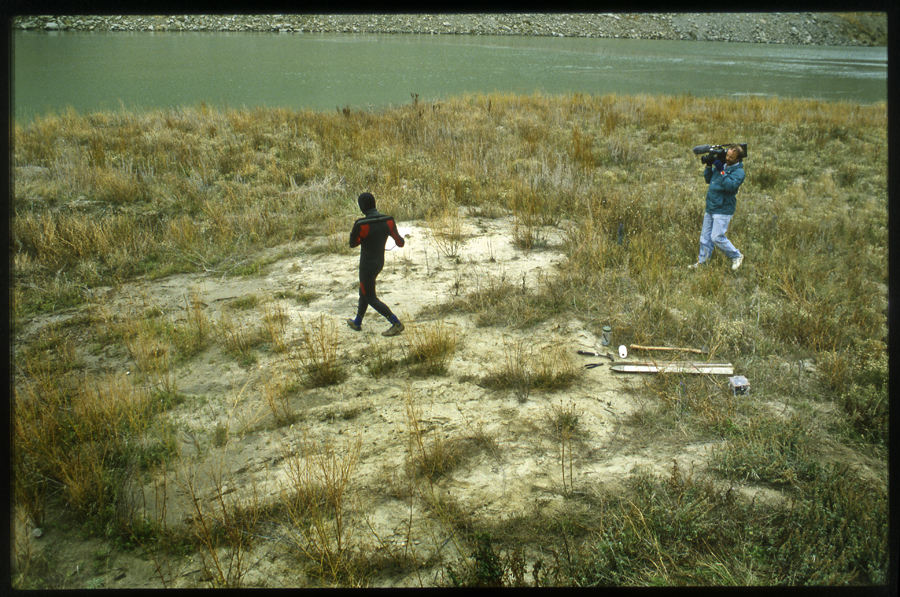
(317, 499)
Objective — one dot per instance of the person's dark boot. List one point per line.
(394, 330)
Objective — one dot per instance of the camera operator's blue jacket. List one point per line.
(720, 198)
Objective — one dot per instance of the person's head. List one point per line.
(734, 155)
(366, 202)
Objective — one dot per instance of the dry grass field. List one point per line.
(190, 410)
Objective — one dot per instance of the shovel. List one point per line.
(703, 350)
(597, 354)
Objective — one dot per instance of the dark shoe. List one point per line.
(353, 325)
(394, 330)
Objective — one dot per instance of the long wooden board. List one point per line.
(675, 367)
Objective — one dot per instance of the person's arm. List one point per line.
(358, 233)
(395, 234)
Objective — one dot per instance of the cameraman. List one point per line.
(724, 181)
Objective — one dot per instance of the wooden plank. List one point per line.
(675, 367)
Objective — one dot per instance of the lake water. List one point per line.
(107, 70)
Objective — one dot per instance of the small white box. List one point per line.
(739, 385)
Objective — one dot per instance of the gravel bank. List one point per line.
(830, 29)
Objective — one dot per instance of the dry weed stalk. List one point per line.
(219, 521)
(418, 450)
(564, 427)
(318, 356)
(316, 498)
(277, 392)
(446, 231)
(225, 514)
(516, 370)
(424, 459)
(275, 320)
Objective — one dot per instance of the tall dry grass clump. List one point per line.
(527, 366)
(318, 505)
(317, 360)
(446, 232)
(83, 443)
(430, 347)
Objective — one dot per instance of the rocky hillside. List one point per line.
(833, 29)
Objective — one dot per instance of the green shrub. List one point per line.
(867, 406)
(834, 532)
(769, 450)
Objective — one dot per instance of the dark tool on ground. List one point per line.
(596, 354)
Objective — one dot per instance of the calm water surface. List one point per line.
(108, 70)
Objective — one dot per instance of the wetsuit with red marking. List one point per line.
(370, 233)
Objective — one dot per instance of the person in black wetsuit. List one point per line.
(370, 233)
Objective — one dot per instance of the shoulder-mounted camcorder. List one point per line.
(710, 153)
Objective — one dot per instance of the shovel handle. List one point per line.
(637, 347)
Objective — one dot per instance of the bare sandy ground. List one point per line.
(520, 471)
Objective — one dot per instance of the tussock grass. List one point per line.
(82, 441)
(248, 179)
(276, 320)
(317, 361)
(432, 455)
(527, 367)
(382, 357)
(426, 350)
(683, 402)
(240, 339)
(498, 301)
(430, 347)
(277, 393)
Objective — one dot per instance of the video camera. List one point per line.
(716, 152)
